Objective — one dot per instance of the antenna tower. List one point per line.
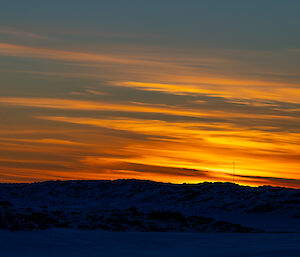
(233, 171)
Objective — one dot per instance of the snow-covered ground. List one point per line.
(84, 243)
(134, 205)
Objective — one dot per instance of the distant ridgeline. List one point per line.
(134, 205)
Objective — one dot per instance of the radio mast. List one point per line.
(233, 171)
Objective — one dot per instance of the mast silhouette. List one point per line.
(233, 171)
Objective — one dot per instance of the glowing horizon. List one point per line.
(170, 104)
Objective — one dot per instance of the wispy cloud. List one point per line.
(173, 74)
(191, 145)
(259, 180)
(21, 33)
(168, 116)
(71, 104)
(44, 141)
(63, 55)
(227, 88)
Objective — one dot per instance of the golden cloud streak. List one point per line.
(176, 145)
(227, 88)
(168, 88)
(68, 104)
(190, 144)
(44, 141)
(173, 76)
(62, 55)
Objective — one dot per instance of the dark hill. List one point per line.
(135, 205)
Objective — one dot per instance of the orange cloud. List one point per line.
(69, 104)
(221, 87)
(19, 33)
(196, 146)
(62, 55)
(173, 74)
(200, 145)
(44, 141)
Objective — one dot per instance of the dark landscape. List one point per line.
(137, 205)
(150, 128)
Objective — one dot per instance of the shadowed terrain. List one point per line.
(136, 205)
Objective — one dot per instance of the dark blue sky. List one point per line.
(264, 24)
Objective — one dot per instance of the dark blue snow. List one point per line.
(134, 205)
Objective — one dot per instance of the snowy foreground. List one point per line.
(77, 243)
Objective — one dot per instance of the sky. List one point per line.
(172, 91)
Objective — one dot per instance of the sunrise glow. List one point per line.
(125, 103)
